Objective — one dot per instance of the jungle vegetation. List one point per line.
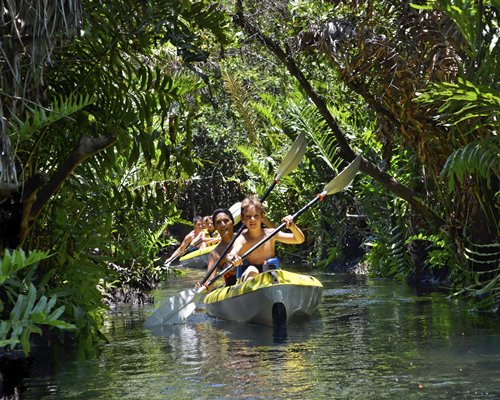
(122, 119)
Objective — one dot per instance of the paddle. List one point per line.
(340, 182)
(180, 306)
(291, 160)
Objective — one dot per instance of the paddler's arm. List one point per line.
(212, 259)
(198, 239)
(234, 255)
(295, 237)
(185, 243)
(210, 241)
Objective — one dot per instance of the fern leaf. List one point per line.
(478, 158)
(306, 118)
(41, 118)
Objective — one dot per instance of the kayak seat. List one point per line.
(271, 263)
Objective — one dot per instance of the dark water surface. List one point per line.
(371, 339)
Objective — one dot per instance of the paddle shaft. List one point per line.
(183, 252)
(318, 197)
(236, 235)
(269, 190)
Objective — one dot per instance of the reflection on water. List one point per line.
(370, 339)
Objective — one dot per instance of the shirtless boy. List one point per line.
(252, 212)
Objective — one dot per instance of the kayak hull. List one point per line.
(196, 259)
(276, 297)
(198, 262)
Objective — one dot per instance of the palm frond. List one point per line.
(479, 158)
(306, 118)
(463, 102)
(466, 15)
(40, 117)
(241, 100)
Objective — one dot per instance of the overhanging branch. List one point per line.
(346, 151)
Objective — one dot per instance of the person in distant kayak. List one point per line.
(224, 224)
(209, 236)
(190, 242)
(252, 213)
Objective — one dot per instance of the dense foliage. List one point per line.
(151, 112)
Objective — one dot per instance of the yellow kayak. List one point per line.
(275, 297)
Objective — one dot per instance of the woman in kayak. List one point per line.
(224, 225)
(252, 213)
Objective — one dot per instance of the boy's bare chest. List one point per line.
(262, 253)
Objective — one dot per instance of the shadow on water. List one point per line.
(250, 335)
(256, 335)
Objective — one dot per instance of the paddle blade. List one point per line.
(293, 157)
(342, 180)
(236, 211)
(174, 310)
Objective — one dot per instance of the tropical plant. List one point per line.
(470, 109)
(23, 307)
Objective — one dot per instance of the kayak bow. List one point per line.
(196, 259)
(275, 297)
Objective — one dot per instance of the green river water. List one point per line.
(371, 339)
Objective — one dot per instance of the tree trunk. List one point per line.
(19, 212)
